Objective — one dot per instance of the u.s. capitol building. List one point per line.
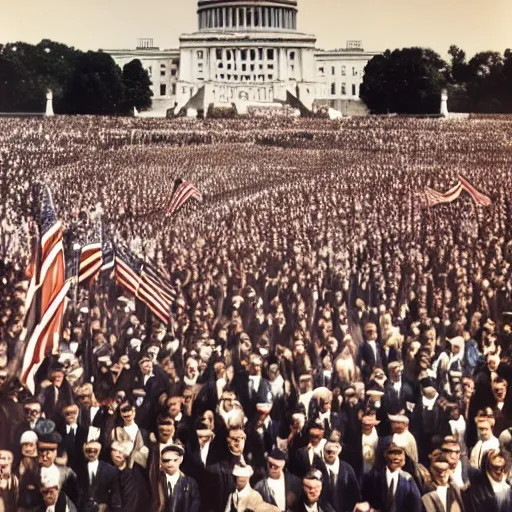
(249, 52)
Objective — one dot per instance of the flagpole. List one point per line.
(76, 270)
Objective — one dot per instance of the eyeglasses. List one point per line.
(70, 413)
(49, 491)
(30, 410)
(91, 450)
(126, 409)
(273, 466)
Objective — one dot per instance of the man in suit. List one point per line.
(311, 497)
(244, 497)
(57, 393)
(489, 490)
(446, 496)
(53, 499)
(99, 482)
(92, 413)
(310, 457)
(133, 483)
(73, 436)
(390, 489)
(221, 482)
(399, 391)
(330, 419)
(176, 491)
(458, 461)
(9, 483)
(341, 488)
(280, 488)
(370, 353)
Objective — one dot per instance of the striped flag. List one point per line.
(47, 292)
(183, 191)
(155, 293)
(108, 257)
(433, 197)
(127, 270)
(91, 260)
(477, 196)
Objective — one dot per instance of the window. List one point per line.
(173, 72)
(333, 89)
(244, 54)
(200, 55)
(163, 89)
(353, 89)
(270, 54)
(218, 53)
(333, 70)
(200, 68)
(173, 89)
(321, 70)
(292, 55)
(184, 90)
(162, 69)
(270, 66)
(343, 70)
(253, 54)
(354, 72)
(150, 70)
(343, 89)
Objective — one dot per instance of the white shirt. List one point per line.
(277, 487)
(457, 476)
(147, 377)
(92, 468)
(498, 487)
(374, 348)
(369, 444)
(132, 430)
(73, 426)
(480, 448)
(392, 476)
(173, 479)
(94, 411)
(429, 402)
(255, 379)
(178, 417)
(397, 386)
(51, 508)
(442, 492)
(313, 508)
(204, 452)
(335, 468)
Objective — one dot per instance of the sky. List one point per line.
(472, 25)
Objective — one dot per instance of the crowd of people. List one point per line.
(334, 344)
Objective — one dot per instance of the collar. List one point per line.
(498, 487)
(335, 468)
(173, 479)
(93, 466)
(429, 402)
(244, 492)
(73, 426)
(392, 475)
(312, 508)
(178, 417)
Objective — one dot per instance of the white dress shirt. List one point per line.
(374, 348)
(73, 426)
(173, 479)
(392, 476)
(132, 431)
(165, 445)
(92, 469)
(457, 476)
(442, 493)
(147, 377)
(335, 468)
(278, 489)
(313, 508)
(480, 448)
(94, 411)
(51, 508)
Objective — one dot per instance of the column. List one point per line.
(282, 63)
(244, 12)
(213, 64)
(237, 20)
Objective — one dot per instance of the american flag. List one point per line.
(127, 270)
(183, 191)
(156, 293)
(477, 196)
(433, 197)
(47, 291)
(91, 258)
(109, 256)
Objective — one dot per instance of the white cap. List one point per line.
(243, 471)
(458, 341)
(28, 437)
(50, 477)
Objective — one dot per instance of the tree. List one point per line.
(486, 82)
(13, 75)
(459, 66)
(96, 86)
(137, 90)
(407, 81)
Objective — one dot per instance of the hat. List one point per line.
(394, 363)
(264, 407)
(135, 342)
(84, 390)
(427, 382)
(202, 429)
(50, 477)
(244, 471)
(144, 359)
(373, 391)
(458, 341)
(315, 424)
(28, 437)
(93, 444)
(48, 438)
(369, 419)
(277, 455)
(314, 474)
(393, 447)
(399, 418)
(124, 447)
(175, 448)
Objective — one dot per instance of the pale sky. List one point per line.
(472, 25)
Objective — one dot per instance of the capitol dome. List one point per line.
(247, 15)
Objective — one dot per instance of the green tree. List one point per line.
(407, 81)
(96, 86)
(486, 82)
(13, 76)
(137, 90)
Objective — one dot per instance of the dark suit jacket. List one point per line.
(73, 446)
(322, 507)
(185, 496)
(63, 505)
(479, 496)
(407, 496)
(346, 493)
(367, 356)
(106, 486)
(220, 484)
(292, 486)
(134, 488)
(301, 464)
(51, 409)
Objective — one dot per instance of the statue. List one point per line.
(135, 112)
(49, 103)
(444, 103)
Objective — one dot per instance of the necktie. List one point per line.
(93, 478)
(334, 487)
(391, 494)
(169, 488)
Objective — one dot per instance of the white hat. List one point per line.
(50, 477)
(458, 341)
(135, 342)
(28, 437)
(242, 471)
(124, 447)
(398, 418)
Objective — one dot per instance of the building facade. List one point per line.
(249, 52)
